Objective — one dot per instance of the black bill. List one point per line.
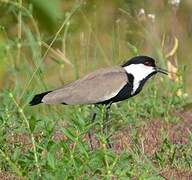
(163, 71)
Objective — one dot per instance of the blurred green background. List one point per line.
(100, 33)
(47, 43)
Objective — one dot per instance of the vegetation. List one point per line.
(44, 44)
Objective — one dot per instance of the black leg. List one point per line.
(90, 133)
(106, 126)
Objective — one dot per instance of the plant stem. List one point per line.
(20, 110)
(50, 45)
(19, 33)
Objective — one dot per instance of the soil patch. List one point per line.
(149, 138)
(7, 176)
(149, 135)
(177, 174)
(179, 134)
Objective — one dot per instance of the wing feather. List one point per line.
(98, 86)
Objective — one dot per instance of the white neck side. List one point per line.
(139, 72)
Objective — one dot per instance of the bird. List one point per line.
(104, 86)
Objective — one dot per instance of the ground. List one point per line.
(150, 134)
(150, 141)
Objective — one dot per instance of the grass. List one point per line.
(50, 142)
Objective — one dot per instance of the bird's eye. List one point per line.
(148, 63)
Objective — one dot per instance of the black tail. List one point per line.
(37, 99)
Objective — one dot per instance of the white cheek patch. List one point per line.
(140, 72)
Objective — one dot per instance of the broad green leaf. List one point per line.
(51, 160)
(47, 11)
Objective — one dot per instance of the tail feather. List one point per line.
(37, 99)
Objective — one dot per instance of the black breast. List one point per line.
(124, 93)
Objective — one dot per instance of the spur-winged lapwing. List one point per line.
(104, 86)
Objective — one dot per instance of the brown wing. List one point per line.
(98, 86)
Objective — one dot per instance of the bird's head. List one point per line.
(143, 65)
(142, 68)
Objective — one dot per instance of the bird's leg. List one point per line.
(90, 133)
(106, 126)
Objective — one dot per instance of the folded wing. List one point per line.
(96, 87)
